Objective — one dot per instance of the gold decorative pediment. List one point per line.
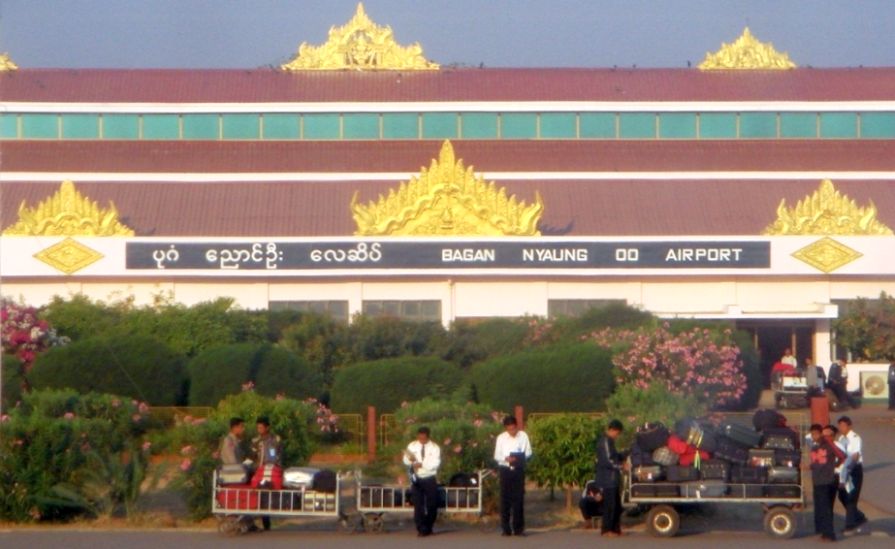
(746, 53)
(68, 213)
(826, 212)
(360, 44)
(447, 199)
(7, 64)
(827, 255)
(68, 256)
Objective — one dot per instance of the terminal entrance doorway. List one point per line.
(771, 338)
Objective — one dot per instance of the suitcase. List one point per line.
(783, 475)
(767, 419)
(324, 481)
(715, 469)
(788, 458)
(761, 458)
(233, 474)
(728, 450)
(787, 491)
(748, 474)
(651, 436)
(240, 497)
(705, 489)
(648, 473)
(639, 456)
(780, 438)
(741, 435)
(299, 477)
(664, 456)
(268, 476)
(656, 490)
(680, 473)
(463, 480)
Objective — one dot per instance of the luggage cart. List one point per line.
(791, 391)
(375, 500)
(236, 505)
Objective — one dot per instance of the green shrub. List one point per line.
(13, 377)
(866, 328)
(564, 447)
(372, 338)
(81, 318)
(197, 441)
(271, 370)
(751, 369)
(612, 315)
(320, 339)
(63, 454)
(136, 366)
(634, 406)
(575, 377)
(469, 342)
(387, 383)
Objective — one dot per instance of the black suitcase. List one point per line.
(787, 491)
(639, 456)
(783, 475)
(324, 481)
(655, 490)
(767, 419)
(761, 458)
(651, 436)
(648, 473)
(745, 474)
(728, 450)
(741, 435)
(715, 469)
(463, 480)
(780, 438)
(705, 489)
(788, 458)
(680, 473)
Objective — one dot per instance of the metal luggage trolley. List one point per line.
(234, 504)
(375, 500)
(791, 391)
(663, 518)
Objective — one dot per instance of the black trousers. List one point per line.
(425, 504)
(612, 510)
(892, 396)
(824, 497)
(512, 500)
(853, 515)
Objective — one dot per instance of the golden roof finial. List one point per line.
(68, 213)
(360, 44)
(447, 199)
(7, 64)
(746, 53)
(826, 212)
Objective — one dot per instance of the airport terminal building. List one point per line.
(363, 177)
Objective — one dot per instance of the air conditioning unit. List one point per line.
(874, 385)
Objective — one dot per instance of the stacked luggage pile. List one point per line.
(717, 459)
(271, 489)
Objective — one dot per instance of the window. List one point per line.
(200, 126)
(677, 125)
(80, 126)
(518, 126)
(240, 126)
(361, 126)
(558, 125)
(758, 124)
(338, 309)
(718, 125)
(160, 126)
(479, 125)
(878, 124)
(8, 126)
(597, 125)
(321, 126)
(637, 125)
(281, 126)
(40, 126)
(422, 310)
(121, 126)
(577, 307)
(798, 124)
(400, 125)
(439, 125)
(838, 125)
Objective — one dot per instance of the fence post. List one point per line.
(371, 433)
(519, 413)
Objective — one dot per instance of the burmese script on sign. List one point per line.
(354, 254)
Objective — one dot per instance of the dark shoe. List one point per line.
(507, 534)
(520, 534)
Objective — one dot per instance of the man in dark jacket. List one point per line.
(892, 386)
(825, 457)
(610, 464)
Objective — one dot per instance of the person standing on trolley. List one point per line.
(423, 457)
(511, 450)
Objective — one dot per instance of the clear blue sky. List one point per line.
(515, 33)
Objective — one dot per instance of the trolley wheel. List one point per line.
(663, 521)
(780, 522)
(373, 523)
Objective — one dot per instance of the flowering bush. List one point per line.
(24, 334)
(64, 454)
(699, 362)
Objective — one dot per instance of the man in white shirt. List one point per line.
(423, 457)
(789, 359)
(853, 470)
(511, 451)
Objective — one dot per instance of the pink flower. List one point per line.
(477, 423)
(458, 449)
(447, 442)
(116, 403)
(4, 418)
(185, 465)
(186, 450)
(68, 416)
(146, 446)
(136, 418)
(404, 404)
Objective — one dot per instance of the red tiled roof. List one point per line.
(573, 208)
(269, 85)
(409, 156)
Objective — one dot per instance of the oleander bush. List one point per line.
(138, 367)
(387, 383)
(269, 369)
(570, 377)
(64, 454)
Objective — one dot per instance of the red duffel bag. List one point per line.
(268, 476)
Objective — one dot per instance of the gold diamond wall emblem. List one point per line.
(68, 256)
(827, 255)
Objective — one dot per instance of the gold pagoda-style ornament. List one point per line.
(746, 53)
(360, 44)
(826, 212)
(68, 256)
(68, 213)
(7, 64)
(447, 199)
